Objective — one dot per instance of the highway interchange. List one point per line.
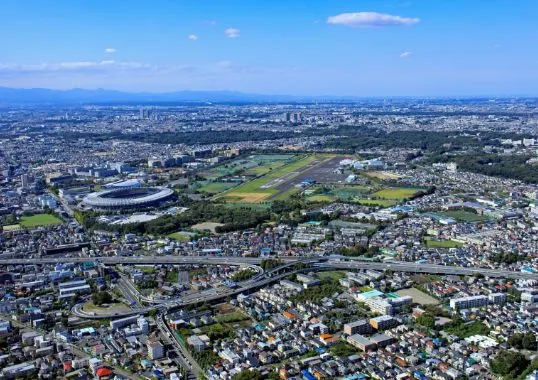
(260, 279)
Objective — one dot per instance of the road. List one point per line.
(117, 370)
(184, 356)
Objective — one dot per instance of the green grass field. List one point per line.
(433, 243)
(397, 193)
(179, 236)
(285, 195)
(464, 216)
(39, 220)
(215, 187)
(331, 275)
(264, 168)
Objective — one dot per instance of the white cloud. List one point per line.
(405, 54)
(232, 32)
(192, 37)
(370, 20)
(110, 50)
(76, 66)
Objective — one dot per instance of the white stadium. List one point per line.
(128, 198)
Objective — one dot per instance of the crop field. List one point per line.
(397, 193)
(39, 220)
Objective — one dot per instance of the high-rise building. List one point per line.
(24, 180)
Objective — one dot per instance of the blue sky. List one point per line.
(300, 47)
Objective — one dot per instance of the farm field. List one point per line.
(397, 193)
(39, 220)
(433, 243)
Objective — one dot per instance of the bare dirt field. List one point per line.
(418, 296)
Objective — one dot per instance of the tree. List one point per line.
(509, 363)
(529, 342)
(247, 375)
(523, 341)
(426, 321)
(100, 298)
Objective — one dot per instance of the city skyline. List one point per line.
(314, 48)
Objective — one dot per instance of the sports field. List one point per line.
(39, 220)
(397, 193)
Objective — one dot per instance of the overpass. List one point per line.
(400, 266)
(254, 262)
(142, 260)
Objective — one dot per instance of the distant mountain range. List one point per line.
(78, 96)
